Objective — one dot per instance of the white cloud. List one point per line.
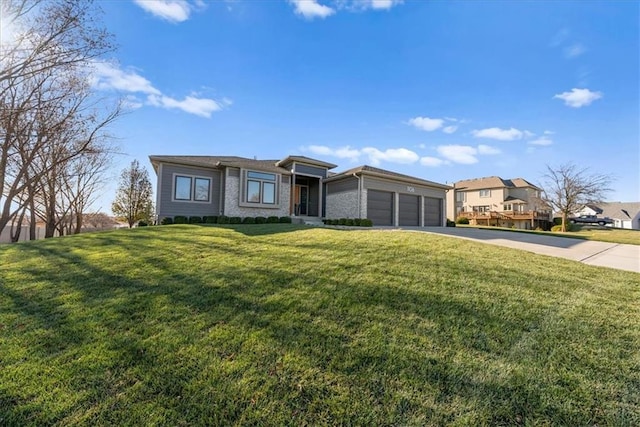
(108, 76)
(202, 107)
(343, 152)
(548, 132)
(384, 4)
(450, 129)
(311, 9)
(463, 154)
(574, 50)
(431, 161)
(170, 10)
(426, 124)
(560, 37)
(501, 134)
(578, 97)
(392, 155)
(543, 141)
(486, 149)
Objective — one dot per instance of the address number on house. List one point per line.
(411, 189)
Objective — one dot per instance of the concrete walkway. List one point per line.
(613, 255)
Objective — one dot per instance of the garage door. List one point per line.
(380, 207)
(432, 211)
(409, 214)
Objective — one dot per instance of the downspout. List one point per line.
(359, 193)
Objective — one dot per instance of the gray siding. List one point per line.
(399, 187)
(310, 170)
(347, 184)
(169, 208)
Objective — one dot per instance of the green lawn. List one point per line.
(284, 325)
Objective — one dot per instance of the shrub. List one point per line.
(342, 221)
(261, 220)
(249, 220)
(235, 220)
(570, 227)
(222, 219)
(273, 220)
(357, 222)
(210, 219)
(142, 223)
(462, 220)
(450, 223)
(166, 221)
(349, 222)
(179, 219)
(365, 222)
(557, 221)
(285, 220)
(195, 220)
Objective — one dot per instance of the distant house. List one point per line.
(297, 186)
(500, 202)
(624, 215)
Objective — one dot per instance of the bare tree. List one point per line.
(568, 188)
(48, 116)
(133, 199)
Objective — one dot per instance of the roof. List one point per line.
(306, 160)
(216, 162)
(618, 210)
(373, 171)
(511, 199)
(493, 182)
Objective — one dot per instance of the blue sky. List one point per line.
(442, 90)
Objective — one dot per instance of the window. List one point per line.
(183, 188)
(191, 188)
(461, 197)
(508, 207)
(485, 193)
(481, 208)
(261, 188)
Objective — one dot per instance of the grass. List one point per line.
(286, 325)
(601, 234)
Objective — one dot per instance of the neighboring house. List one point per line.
(5, 235)
(296, 186)
(501, 202)
(624, 215)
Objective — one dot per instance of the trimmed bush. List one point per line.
(349, 222)
(272, 220)
(342, 221)
(357, 222)
(195, 220)
(142, 223)
(261, 220)
(222, 219)
(365, 222)
(179, 219)
(249, 220)
(210, 219)
(284, 220)
(450, 223)
(557, 221)
(166, 221)
(570, 227)
(235, 220)
(462, 220)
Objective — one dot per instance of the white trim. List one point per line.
(242, 190)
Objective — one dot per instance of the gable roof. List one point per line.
(383, 173)
(306, 160)
(215, 162)
(618, 210)
(492, 182)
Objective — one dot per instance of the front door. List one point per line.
(301, 199)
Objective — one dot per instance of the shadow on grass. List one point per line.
(333, 322)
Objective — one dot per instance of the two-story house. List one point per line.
(513, 203)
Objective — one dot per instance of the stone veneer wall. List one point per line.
(342, 205)
(232, 198)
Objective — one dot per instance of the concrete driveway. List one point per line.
(613, 255)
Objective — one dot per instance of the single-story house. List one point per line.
(624, 215)
(296, 186)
